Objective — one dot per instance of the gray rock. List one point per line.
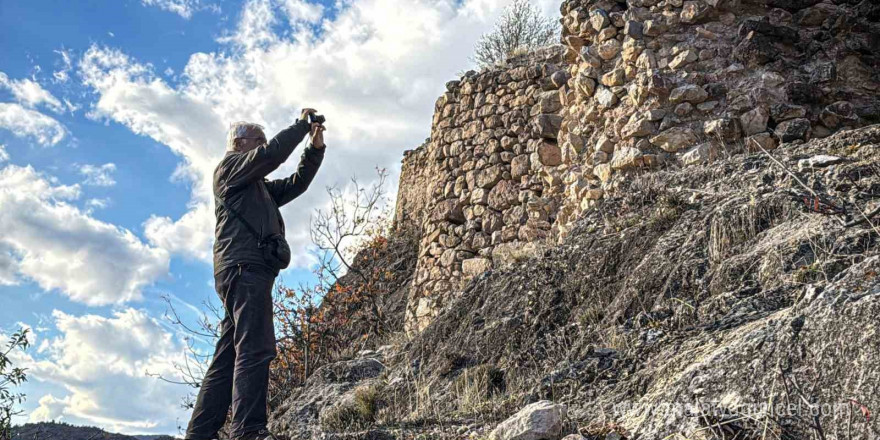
(819, 161)
(675, 139)
(633, 29)
(448, 211)
(838, 114)
(688, 93)
(599, 19)
(725, 129)
(547, 125)
(793, 129)
(754, 121)
(541, 420)
(605, 97)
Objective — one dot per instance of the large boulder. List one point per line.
(541, 420)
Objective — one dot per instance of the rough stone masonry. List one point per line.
(518, 152)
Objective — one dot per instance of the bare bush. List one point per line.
(316, 322)
(520, 29)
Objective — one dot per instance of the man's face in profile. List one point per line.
(253, 138)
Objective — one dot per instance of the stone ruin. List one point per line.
(517, 152)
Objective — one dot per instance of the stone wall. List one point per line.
(672, 82)
(518, 152)
(487, 176)
(413, 192)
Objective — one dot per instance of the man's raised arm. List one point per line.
(257, 163)
(285, 190)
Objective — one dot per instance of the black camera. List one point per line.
(316, 119)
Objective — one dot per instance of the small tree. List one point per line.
(522, 27)
(11, 377)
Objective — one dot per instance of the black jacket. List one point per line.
(240, 181)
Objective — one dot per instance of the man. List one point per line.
(247, 205)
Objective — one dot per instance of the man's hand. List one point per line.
(306, 112)
(317, 135)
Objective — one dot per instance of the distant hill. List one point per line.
(64, 431)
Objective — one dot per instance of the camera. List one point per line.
(316, 119)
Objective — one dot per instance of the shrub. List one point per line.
(521, 28)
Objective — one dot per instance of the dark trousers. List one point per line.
(239, 373)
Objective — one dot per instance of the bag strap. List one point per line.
(240, 218)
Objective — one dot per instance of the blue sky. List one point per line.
(112, 116)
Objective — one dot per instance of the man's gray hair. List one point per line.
(238, 130)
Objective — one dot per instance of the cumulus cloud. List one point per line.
(190, 236)
(27, 123)
(4, 156)
(8, 264)
(30, 93)
(375, 68)
(63, 248)
(98, 175)
(301, 11)
(102, 361)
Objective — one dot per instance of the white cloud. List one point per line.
(8, 265)
(60, 247)
(375, 70)
(190, 236)
(24, 123)
(51, 409)
(102, 361)
(63, 74)
(183, 8)
(301, 11)
(30, 93)
(98, 175)
(98, 203)
(4, 156)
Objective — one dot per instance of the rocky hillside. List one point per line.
(665, 228)
(700, 294)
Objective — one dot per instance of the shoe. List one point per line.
(258, 435)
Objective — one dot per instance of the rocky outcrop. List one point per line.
(520, 152)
